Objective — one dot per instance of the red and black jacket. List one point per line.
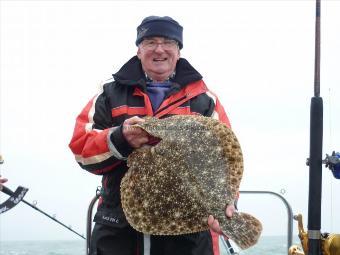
(98, 144)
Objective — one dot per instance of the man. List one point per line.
(156, 82)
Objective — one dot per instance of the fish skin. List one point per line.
(193, 172)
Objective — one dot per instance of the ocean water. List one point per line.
(267, 245)
(42, 247)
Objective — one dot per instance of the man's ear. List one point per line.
(138, 53)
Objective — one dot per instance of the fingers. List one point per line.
(129, 128)
(136, 139)
(210, 220)
(230, 210)
(138, 142)
(214, 224)
(134, 135)
(133, 120)
(3, 180)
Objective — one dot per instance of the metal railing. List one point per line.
(290, 215)
(89, 221)
(288, 207)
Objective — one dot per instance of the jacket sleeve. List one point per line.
(98, 146)
(216, 110)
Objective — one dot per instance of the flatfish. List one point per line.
(193, 171)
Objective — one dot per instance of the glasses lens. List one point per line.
(166, 44)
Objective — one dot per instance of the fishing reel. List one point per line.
(333, 163)
(330, 243)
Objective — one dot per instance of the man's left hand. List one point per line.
(214, 224)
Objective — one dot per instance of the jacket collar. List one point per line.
(131, 73)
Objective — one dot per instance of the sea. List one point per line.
(267, 245)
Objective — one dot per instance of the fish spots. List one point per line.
(194, 171)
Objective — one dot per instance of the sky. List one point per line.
(257, 56)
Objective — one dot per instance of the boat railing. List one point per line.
(290, 215)
(89, 221)
(287, 205)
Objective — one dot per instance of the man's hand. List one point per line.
(213, 223)
(135, 136)
(2, 180)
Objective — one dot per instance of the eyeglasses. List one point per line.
(167, 44)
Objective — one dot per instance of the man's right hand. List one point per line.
(135, 136)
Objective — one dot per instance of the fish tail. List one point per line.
(243, 229)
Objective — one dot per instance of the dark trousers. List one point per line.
(107, 240)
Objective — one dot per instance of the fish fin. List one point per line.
(243, 229)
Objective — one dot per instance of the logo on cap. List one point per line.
(142, 31)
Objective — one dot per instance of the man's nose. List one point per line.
(159, 47)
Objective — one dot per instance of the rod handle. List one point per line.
(7, 191)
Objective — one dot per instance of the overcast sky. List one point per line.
(258, 56)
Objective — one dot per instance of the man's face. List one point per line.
(159, 57)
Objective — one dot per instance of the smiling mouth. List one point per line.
(159, 59)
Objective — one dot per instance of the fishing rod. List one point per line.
(319, 243)
(17, 196)
(314, 242)
(315, 150)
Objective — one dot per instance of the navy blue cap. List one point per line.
(160, 26)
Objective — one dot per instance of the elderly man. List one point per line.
(156, 82)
